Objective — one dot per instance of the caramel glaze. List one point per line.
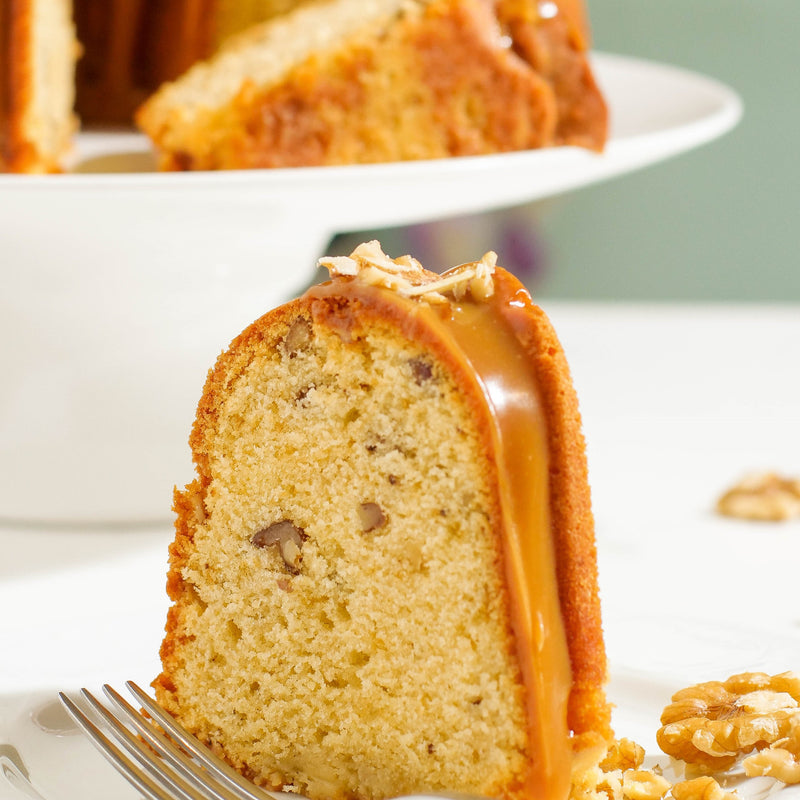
(5, 80)
(487, 347)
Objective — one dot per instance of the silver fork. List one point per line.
(170, 764)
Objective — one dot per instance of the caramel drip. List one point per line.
(5, 78)
(479, 337)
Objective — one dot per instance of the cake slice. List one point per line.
(229, 17)
(38, 51)
(383, 579)
(362, 81)
(131, 47)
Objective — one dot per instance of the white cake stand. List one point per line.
(121, 285)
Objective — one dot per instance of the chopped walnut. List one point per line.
(421, 369)
(644, 784)
(711, 724)
(780, 761)
(288, 538)
(297, 338)
(611, 771)
(764, 496)
(704, 788)
(371, 516)
(623, 754)
(198, 508)
(369, 264)
(586, 776)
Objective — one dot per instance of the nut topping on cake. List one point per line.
(406, 276)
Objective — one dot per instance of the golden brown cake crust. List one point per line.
(16, 153)
(572, 519)
(36, 120)
(570, 508)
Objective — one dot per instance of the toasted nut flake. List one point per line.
(764, 496)
(288, 538)
(371, 516)
(370, 265)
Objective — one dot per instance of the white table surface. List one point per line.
(678, 403)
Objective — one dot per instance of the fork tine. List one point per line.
(159, 770)
(242, 788)
(188, 766)
(113, 754)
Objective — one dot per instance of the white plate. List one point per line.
(44, 757)
(120, 289)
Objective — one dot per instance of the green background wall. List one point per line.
(719, 223)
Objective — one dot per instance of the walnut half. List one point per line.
(711, 724)
(764, 496)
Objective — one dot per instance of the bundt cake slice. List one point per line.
(38, 51)
(364, 81)
(384, 575)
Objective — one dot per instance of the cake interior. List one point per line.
(341, 605)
